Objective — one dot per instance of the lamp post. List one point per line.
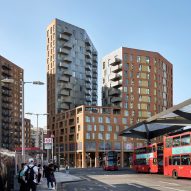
(37, 133)
(23, 113)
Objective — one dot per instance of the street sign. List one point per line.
(48, 146)
(47, 140)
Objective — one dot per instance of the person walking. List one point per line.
(31, 175)
(21, 178)
(49, 174)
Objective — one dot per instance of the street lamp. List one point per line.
(23, 113)
(37, 133)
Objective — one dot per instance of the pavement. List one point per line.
(61, 178)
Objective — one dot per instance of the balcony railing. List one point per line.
(63, 64)
(115, 61)
(116, 99)
(114, 92)
(116, 68)
(64, 37)
(116, 84)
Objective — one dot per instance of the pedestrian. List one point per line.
(67, 169)
(49, 174)
(39, 173)
(21, 178)
(31, 174)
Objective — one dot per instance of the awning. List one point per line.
(170, 120)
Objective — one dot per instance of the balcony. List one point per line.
(88, 55)
(67, 32)
(88, 49)
(116, 84)
(94, 53)
(63, 65)
(94, 93)
(67, 59)
(88, 61)
(64, 37)
(6, 67)
(115, 77)
(88, 87)
(87, 42)
(94, 87)
(67, 100)
(88, 80)
(64, 106)
(64, 51)
(88, 93)
(94, 82)
(68, 73)
(116, 99)
(116, 68)
(94, 76)
(94, 65)
(68, 86)
(87, 68)
(114, 92)
(67, 45)
(115, 61)
(94, 70)
(88, 99)
(94, 98)
(64, 93)
(95, 59)
(63, 78)
(88, 74)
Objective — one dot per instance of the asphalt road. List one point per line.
(123, 180)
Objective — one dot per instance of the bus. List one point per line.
(149, 159)
(177, 155)
(110, 160)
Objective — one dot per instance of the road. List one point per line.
(123, 180)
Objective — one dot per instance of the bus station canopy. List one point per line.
(170, 120)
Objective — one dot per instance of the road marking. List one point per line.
(87, 179)
(173, 188)
(135, 185)
(169, 183)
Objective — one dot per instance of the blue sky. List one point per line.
(157, 25)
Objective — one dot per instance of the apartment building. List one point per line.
(10, 104)
(82, 136)
(139, 81)
(71, 68)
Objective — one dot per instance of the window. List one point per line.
(185, 160)
(109, 128)
(101, 127)
(115, 136)
(138, 59)
(78, 127)
(176, 141)
(94, 127)
(168, 142)
(107, 136)
(147, 60)
(185, 140)
(87, 135)
(100, 119)
(176, 160)
(93, 119)
(87, 119)
(117, 128)
(107, 119)
(100, 136)
(93, 135)
(115, 119)
(89, 128)
(124, 120)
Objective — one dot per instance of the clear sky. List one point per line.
(163, 26)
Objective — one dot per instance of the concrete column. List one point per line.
(84, 160)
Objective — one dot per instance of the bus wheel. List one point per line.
(175, 174)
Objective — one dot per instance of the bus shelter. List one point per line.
(173, 119)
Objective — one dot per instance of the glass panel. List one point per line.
(176, 141)
(185, 160)
(185, 140)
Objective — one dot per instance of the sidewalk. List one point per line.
(61, 177)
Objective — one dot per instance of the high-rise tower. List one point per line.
(71, 67)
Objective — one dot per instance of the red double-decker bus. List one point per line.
(149, 159)
(177, 155)
(110, 160)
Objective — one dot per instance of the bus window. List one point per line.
(185, 140)
(168, 142)
(176, 141)
(185, 160)
(176, 160)
(170, 160)
(149, 150)
(154, 148)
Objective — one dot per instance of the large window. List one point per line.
(185, 160)
(87, 119)
(107, 119)
(100, 119)
(109, 128)
(176, 141)
(176, 160)
(185, 140)
(101, 127)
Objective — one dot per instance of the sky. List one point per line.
(156, 25)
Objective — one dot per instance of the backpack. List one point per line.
(29, 174)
